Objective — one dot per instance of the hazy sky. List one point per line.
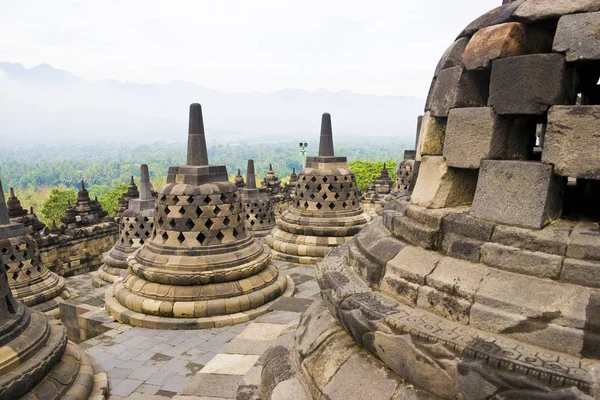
(373, 47)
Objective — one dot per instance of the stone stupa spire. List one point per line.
(4, 220)
(250, 177)
(326, 139)
(196, 151)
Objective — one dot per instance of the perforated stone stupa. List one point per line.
(485, 283)
(326, 211)
(258, 209)
(36, 359)
(378, 189)
(201, 267)
(18, 214)
(135, 228)
(30, 281)
(85, 212)
(123, 204)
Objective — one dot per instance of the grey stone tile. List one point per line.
(247, 346)
(119, 373)
(164, 394)
(253, 376)
(190, 354)
(204, 359)
(175, 384)
(175, 351)
(238, 327)
(191, 369)
(145, 356)
(279, 317)
(160, 377)
(129, 354)
(146, 388)
(293, 304)
(109, 363)
(213, 385)
(144, 372)
(126, 387)
(117, 349)
(175, 365)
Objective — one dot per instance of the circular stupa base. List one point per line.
(51, 307)
(261, 233)
(133, 318)
(107, 275)
(294, 258)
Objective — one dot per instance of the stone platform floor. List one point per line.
(218, 363)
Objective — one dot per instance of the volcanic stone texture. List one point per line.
(457, 87)
(577, 36)
(440, 186)
(505, 40)
(518, 193)
(531, 84)
(536, 10)
(572, 141)
(477, 133)
(431, 136)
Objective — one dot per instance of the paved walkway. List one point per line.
(218, 363)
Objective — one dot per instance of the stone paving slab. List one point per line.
(206, 364)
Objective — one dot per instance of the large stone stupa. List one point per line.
(485, 282)
(258, 209)
(135, 228)
(326, 210)
(36, 359)
(30, 281)
(201, 268)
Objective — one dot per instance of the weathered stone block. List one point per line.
(452, 57)
(444, 304)
(552, 239)
(581, 272)
(513, 259)
(571, 142)
(413, 264)
(518, 193)
(477, 133)
(457, 277)
(415, 233)
(531, 84)
(505, 40)
(584, 242)
(456, 87)
(498, 15)
(534, 10)
(431, 136)
(577, 36)
(439, 186)
(462, 247)
(466, 225)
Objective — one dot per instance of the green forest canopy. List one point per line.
(53, 174)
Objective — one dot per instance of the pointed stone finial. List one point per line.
(270, 167)
(250, 178)
(196, 152)
(145, 191)
(4, 220)
(132, 181)
(294, 170)
(384, 165)
(82, 185)
(326, 140)
(12, 192)
(239, 172)
(31, 210)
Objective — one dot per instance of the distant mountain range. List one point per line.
(45, 105)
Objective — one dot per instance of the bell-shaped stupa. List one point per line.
(135, 228)
(485, 282)
(326, 210)
(201, 268)
(30, 281)
(259, 217)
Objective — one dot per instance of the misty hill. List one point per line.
(43, 105)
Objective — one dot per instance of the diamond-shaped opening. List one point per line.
(346, 178)
(350, 186)
(336, 196)
(239, 219)
(217, 210)
(344, 204)
(181, 210)
(332, 205)
(335, 179)
(319, 206)
(137, 235)
(247, 216)
(180, 238)
(126, 233)
(331, 188)
(306, 204)
(209, 223)
(325, 179)
(4, 250)
(252, 222)
(190, 224)
(319, 187)
(190, 199)
(165, 237)
(236, 233)
(163, 198)
(131, 242)
(226, 221)
(353, 202)
(201, 238)
(12, 257)
(347, 195)
(175, 199)
(166, 210)
(160, 221)
(324, 196)
(223, 198)
(220, 236)
(207, 200)
(198, 211)
(142, 241)
(172, 224)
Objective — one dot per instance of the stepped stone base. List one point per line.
(127, 316)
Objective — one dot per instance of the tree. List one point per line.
(55, 207)
(110, 199)
(366, 171)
